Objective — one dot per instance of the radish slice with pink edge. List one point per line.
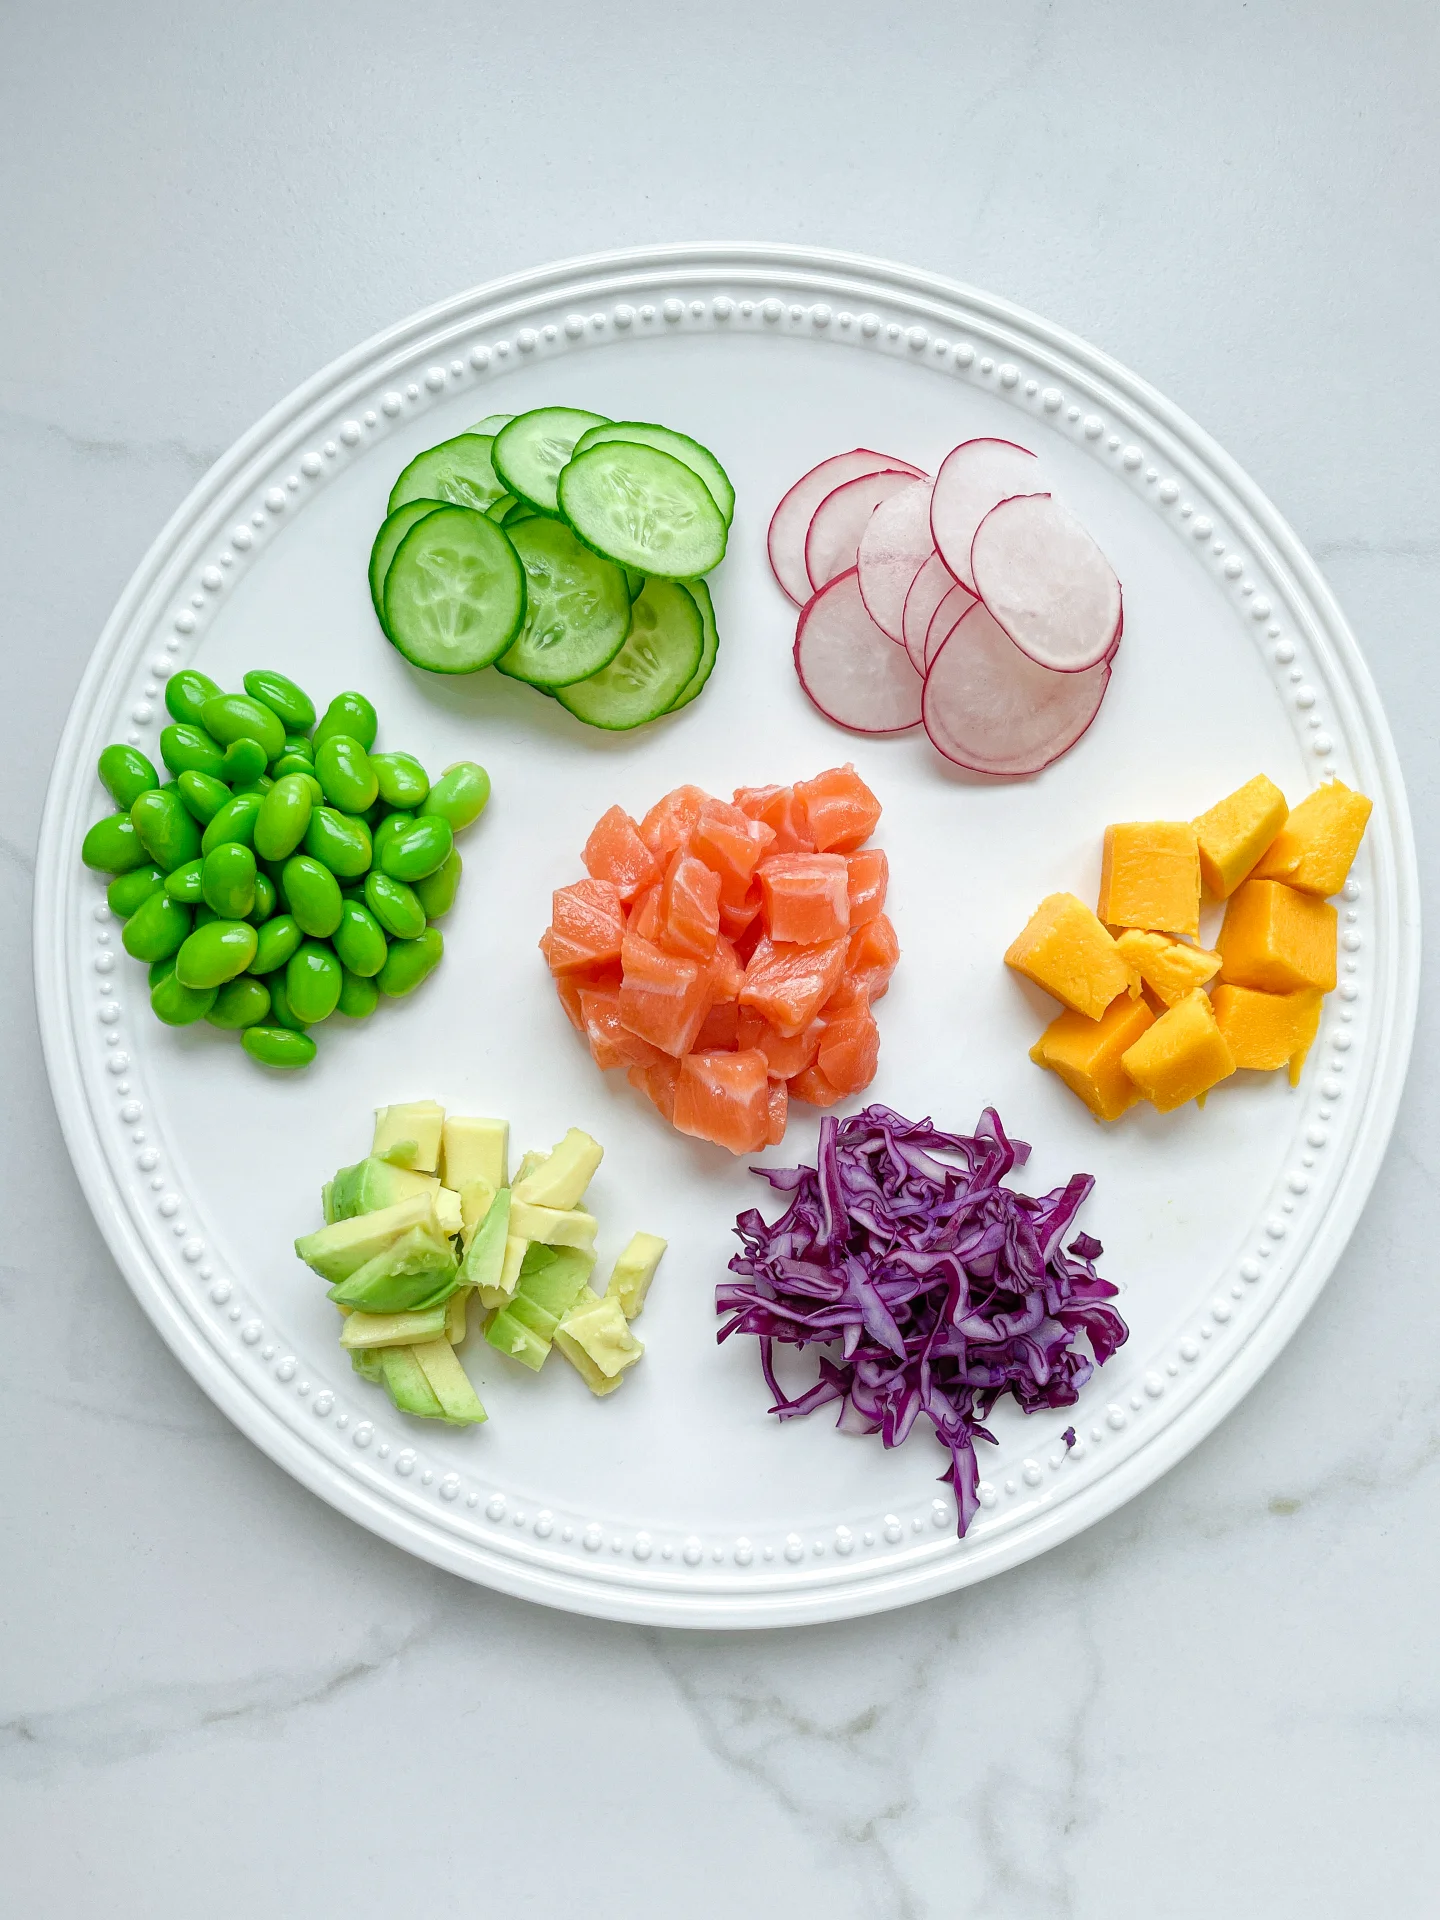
(832, 543)
(951, 610)
(972, 479)
(790, 521)
(929, 588)
(990, 708)
(854, 673)
(895, 545)
(1046, 582)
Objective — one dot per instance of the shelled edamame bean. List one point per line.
(285, 871)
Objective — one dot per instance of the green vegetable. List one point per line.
(242, 1002)
(409, 962)
(234, 821)
(392, 532)
(215, 953)
(644, 509)
(417, 849)
(312, 983)
(173, 1002)
(113, 846)
(157, 928)
(455, 592)
(389, 827)
(265, 899)
(577, 607)
(459, 796)
(186, 884)
(245, 764)
(710, 644)
(281, 1012)
(227, 880)
(187, 749)
(402, 781)
(186, 693)
(343, 769)
(313, 894)
(125, 774)
(448, 1381)
(699, 459)
(349, 713)
(359, 997)
(436, 892)
(166, 830)
(275, 942)
(459, 471)
(203, 795)
(292, 761)
(235, 716)
(274, 1047)
(292, 707)
(301, 744)
(339, 841)
(551, 1280)
(128, 890)
(485, 1255)
(395, 906)
(283, 817)
(530, 452)
(406, 1384)
(360, 939)
(654, 667)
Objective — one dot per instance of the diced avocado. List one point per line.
(475, 1150)
(633, 1271)
(417, 1120)
(552, 1226)
(577, 1353)
(401, 1153)
(450, 1383)
(363, 1330)
(527, 1166)
(507, 1335)
(327, 1194)
(511, 1263)
(551, 1279)
(562, 1177)
(416, 1271)
(407, 1385)
(476, 1198)
(366, 1362)
(339, 1250)
(457, 1316)
(374, 1183)
(448, 1210)
(600, 1329)
(484, 1262)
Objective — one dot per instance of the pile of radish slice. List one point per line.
(972, 604)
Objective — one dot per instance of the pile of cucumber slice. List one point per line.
(564, 549)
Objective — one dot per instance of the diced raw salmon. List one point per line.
(776, 808)
(838, 808)
(869, 881)
(731, 844)
(727, 971)
(812, 1085)
(663, 998)
(850, 1048)
(737, 918)
(871, 956)
(657, 1083)
(689, 907)
(615, 852)
(719, 1029)
(586, 927)
(789, 985)
(645, 913)
(783, 1057)
(778, 1103)
(724, 1097)
(807, 897)
(611, 1043)
(569, 988)
(671, 821)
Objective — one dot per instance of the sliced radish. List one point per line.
(990, 708)
(895, 545)
(931, 584)
(972, 479)
(853, 672)
(943, 622)
(1046, 582)
(790, 521)
(832, 543)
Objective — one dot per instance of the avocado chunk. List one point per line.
(633, 1271)
(552, 1226)
(374, 1183)
(597, 1348)
(475, 1149)
(419, 1120)
(550, 1281)
(457, 1316)
(406, 1384)
(560, 1179)
(363, 1330)
(484, 1260)
(339, 1250)
(449, 1382)
(476, 1199)
(408, 1276)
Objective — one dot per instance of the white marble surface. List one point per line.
(215, 1694)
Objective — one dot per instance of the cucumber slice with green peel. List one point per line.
(530, 452)
(700, 594)
(458, 472)
(577, 607)
(635, 582)
(656, 664)
(521, 510)
(492, 423)
(455, 592)
(699, 459)
(396, 526)
(643, 509)
(501, 508)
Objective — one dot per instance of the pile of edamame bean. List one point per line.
(284, 871)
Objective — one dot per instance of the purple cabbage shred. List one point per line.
(939, 1288)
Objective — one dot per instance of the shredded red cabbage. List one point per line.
(944, 1288)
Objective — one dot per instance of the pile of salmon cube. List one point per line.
(727, 953)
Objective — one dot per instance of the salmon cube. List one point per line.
(731, 844)
(724, 1097)
(611, 1043)
(871, 956)
(657, 1083)
(777, 808)
(788, 985)
(586, 927)
(663, 998)
(615, 852)
(807, 897)
(727, 971)
(671, 821)
(689, 907)
(838, 808)
(783, 1058)
(645, 916)
(850, 1049)
(778, 1103)
(569, 988)
(719, 1030)
(812, 1086)
(737, 916)
(869, 880)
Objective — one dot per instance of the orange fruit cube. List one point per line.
(1277, 940)
(1235, 832)
(1150, 876)
(1086, 1054)
(1168, 967)
(1181, 1056)
(1314, 849)
(1064, 949)
(1268, 1030)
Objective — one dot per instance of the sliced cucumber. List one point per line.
(499, 510)
(455, 592)
(700, 594)
(699, 459)
(577, 608)
(492, 423)
(458, 471)
(643, 509)
(654, 666)
(530, 452)
(519, 510)
(396, 526)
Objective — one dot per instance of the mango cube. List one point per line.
(1168, 967)
(1182, 1056)
(1268, 1030)
(1234, 833)
(1151, 876)
(1314, 849)
(1064, 949)
(1277, 940)
(1086, 1054)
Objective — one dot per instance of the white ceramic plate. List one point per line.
(680, 1500)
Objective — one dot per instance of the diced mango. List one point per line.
(1277, 940)
(1182, 1056)
(1086, 1054)
(1168, 967)
(1314, 849)
(1151, 876)
(1268, 1030)
(1064, 949)
(1233, 834)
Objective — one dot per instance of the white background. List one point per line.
(215, 1694)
